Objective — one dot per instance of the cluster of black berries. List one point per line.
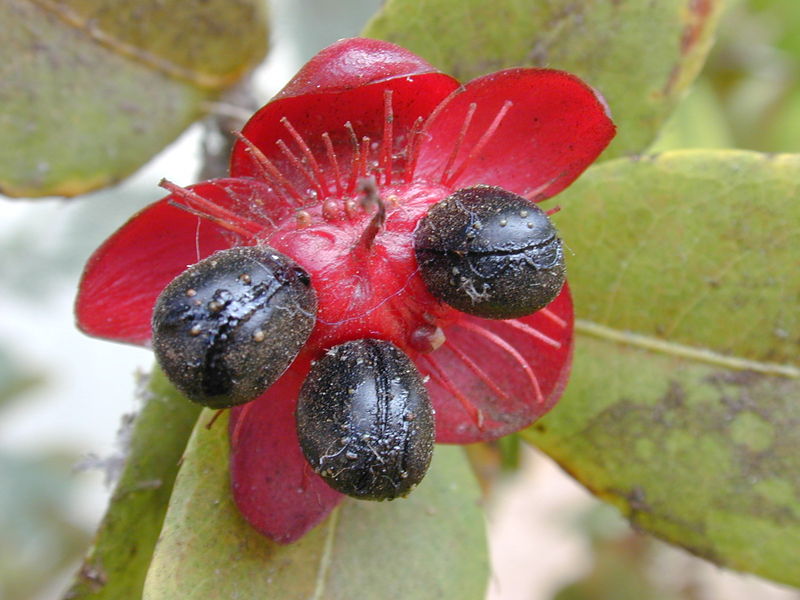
(229, 326)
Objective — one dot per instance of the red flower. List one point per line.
(359, 108)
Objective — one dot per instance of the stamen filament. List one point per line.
(478, 147)
(546, 312)
(269, 171)
(387, 143)
(237, 429)
(334, 163)
(319, 176)
(476, 369)
(459, 140)
(441, 378)
(537, 194)
(533, 332)
(426, 124)
(351, 185)
(225, 217)
(216, 220)
(550, 212)
(304, 169)
(362, 167)
(501, 343)
(412, 149)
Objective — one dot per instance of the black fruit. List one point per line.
(365, 422)
(229, 326)
(490, 253)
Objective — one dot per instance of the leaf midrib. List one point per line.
(158, 63)
(326, 556)
(702, 355)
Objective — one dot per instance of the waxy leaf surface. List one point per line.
(92, 89)
(684, 405)
(428, 545)
(641, 56)
(121, 552)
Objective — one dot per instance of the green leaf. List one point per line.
(684, 405)
(119, 558)
(640, 55)
(698, 122)
(429, 545)
(91, 89)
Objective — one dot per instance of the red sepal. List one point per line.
(123, 277)
(313, 115)
(492, 378)
(550, 127)
(352, 63)
(273, 484)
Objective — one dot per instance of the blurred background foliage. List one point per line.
(746, 97)
(40, 536)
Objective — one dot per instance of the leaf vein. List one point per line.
(679, 350)
(327, 554)
(77, 21)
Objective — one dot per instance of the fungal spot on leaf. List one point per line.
(752, 431)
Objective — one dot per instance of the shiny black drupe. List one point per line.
(490, 253)
(229, 326)
(365, 422)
